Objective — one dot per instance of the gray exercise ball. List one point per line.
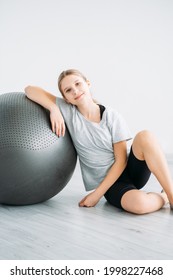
(35, 164)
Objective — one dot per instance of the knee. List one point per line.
(138, 205)
(145, 137)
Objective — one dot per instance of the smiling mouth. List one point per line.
(79, 96)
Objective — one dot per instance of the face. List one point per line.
(75, 89)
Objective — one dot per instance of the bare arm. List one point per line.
(120, 152)
(48, 101)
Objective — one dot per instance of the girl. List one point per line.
(99, 135)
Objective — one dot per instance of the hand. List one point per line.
(57, 121)
(90, 200)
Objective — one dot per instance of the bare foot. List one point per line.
(164, 195)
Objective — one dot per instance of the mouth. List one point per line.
(79, 96)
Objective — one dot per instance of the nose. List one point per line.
(75, 91)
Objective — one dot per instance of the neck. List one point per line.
(90, 111)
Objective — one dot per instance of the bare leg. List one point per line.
(145, 147)
(140, 202)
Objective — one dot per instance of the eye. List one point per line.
(68, 90)
(78, 83)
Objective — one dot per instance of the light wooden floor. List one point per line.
(59, 229)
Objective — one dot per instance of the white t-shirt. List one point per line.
(94, 141)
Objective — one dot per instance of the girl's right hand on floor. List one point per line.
(57, 121)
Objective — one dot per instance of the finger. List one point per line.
(80, 205)
(83, 205)
(82, 202)
(58, 130)
(63, 129)
(83, 199)
(53, 127)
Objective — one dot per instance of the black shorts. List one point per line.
(135, 176)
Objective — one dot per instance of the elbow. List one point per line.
(28, 90)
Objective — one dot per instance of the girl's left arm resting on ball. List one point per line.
(120, 153)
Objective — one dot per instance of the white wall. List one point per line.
(125, 47)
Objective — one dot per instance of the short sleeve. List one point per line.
(65, 108)
(119, 128)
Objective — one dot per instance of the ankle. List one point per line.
(166, 199)
(171, 202)
(170, 198)
(164, 196)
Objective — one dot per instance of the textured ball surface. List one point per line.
(35, 164)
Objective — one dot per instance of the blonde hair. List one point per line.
(71, 72)
(67, 73)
